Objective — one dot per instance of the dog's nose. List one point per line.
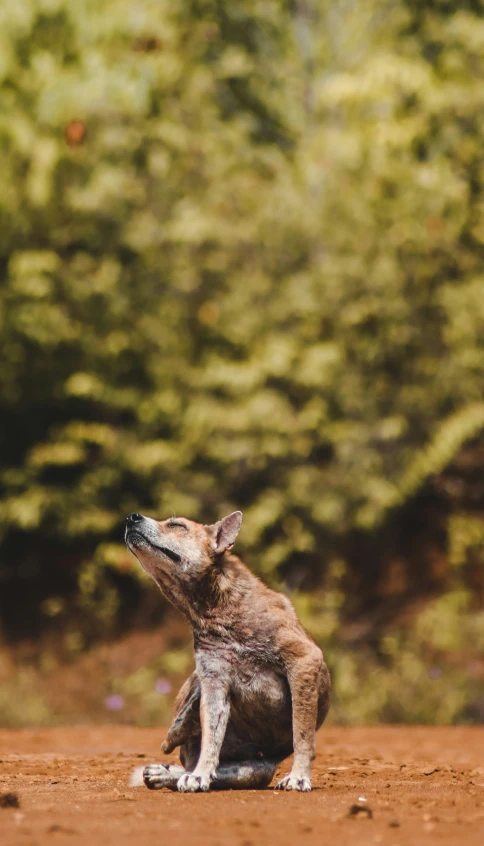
(134, 518)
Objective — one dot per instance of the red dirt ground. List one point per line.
(424, 785)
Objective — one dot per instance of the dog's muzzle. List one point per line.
(133, 532)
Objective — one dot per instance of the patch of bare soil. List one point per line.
(389, 785)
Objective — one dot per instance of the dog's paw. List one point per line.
(291, 782)
(191, 783)
(155, 776)
(168, 746)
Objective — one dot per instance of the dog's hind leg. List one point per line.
(187, 719)
(239, 775)
(244, 775)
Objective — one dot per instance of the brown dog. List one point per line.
(261, 687)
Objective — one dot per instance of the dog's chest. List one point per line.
(251, 665)
(251, 682)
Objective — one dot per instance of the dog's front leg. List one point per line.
(303, 674)
(214, 714)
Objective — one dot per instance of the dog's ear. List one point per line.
(225, 531)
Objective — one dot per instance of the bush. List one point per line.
(241, 264)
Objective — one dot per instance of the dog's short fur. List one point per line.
(261, 687)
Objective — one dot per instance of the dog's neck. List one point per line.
(213, 596)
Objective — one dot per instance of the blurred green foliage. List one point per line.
(242, 267)
(430, 672)
(21, 705)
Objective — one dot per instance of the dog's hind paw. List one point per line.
(156, 776)
(291, 782)
(191, 783)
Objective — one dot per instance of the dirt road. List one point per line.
(423, 785)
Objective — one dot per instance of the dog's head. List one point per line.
(178, 548)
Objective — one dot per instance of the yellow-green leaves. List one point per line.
(241, 248)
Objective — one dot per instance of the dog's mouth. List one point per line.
(133, 535)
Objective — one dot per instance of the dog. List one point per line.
(261, 687)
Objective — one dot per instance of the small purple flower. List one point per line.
(162, 686)
(435, 673)
(114, 702)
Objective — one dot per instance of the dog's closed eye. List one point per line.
(173, 524)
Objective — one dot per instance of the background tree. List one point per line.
(241, 267)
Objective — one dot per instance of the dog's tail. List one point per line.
(136, 777)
